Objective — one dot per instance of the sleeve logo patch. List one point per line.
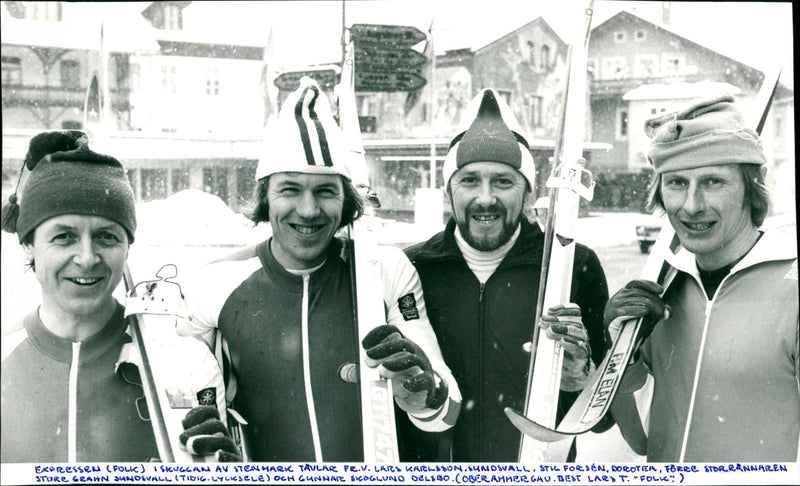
(207, 396)
(408, 307)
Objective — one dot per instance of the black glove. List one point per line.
(563, 323)
(204, 433)
(415, 385)
(639, 298)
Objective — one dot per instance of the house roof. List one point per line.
(125, 29)
(623, 14)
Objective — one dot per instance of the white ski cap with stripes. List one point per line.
(489, 132)
(305, 137)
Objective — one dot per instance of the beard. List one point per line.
(482, 242)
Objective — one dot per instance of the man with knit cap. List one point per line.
(286, 312)
(62, 400)
(725, 359)
(480, 277)
(71, 389)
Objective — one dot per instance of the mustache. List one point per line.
(484, 208)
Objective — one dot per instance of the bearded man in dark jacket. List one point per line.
(480, 277)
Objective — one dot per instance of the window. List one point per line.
(535, 106)
(531, 53)
(172, 17)
(121, 70)
(12, 71)
(614, 68)
(592, 67)
(545, 57)
(655, 109)
(640, 35)
(622, 123)
(212, 82)
(619, 36)
(136, 76)
(168, 80)
(672, 64)
(48, 11)
(70, 73)
(645, 66)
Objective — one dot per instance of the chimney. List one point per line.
(666, 12)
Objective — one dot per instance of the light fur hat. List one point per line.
(489, 132)
(305, 137)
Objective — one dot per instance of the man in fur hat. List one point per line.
(68, 393)
(286, 312)
(480, 277)
(725, 359)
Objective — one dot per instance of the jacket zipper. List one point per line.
(481, 321)
(312, 415)
(693, 396)
(72, 418)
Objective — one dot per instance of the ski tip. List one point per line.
(534, 430)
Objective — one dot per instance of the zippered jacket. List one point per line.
(289, 336)
(725, 371)
(481, 330)
(62, 401)
(66, 401)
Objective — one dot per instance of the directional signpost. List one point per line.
(384, 58)
(290, 81)
(399, 35)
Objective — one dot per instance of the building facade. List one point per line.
(188, 105)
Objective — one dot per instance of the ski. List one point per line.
(182, 371)
(176, 373)
(94, 123)
(569, 182)
(377, 399)
(596, 398)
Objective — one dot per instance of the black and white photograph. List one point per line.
(387, 241)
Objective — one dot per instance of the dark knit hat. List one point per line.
(489, 132)
(710, 131)
(66, 177)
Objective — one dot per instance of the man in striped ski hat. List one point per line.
(286, 310)
(481, 277)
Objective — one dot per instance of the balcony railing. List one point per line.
(44, 96)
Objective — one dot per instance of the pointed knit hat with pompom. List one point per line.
(64, 176)
(489, 132)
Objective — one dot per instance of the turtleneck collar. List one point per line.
(484, 263)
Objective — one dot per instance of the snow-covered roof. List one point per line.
(124, 29)
(674, 91)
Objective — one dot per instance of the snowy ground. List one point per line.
(191, 228)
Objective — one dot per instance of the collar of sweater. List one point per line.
(484, 263)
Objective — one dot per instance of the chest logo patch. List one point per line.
(207, 396)
(408, 307)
